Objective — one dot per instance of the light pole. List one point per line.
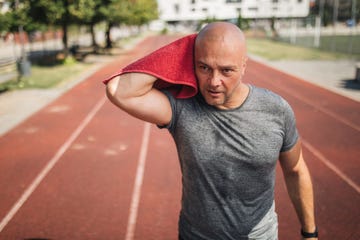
(318, 23)
(353, 12)
(353, 25)
(335, 16)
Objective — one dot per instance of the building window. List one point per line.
(233, 1)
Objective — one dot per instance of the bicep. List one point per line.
(134, 93)
(294, 166)
(292, 159)
(153, 107)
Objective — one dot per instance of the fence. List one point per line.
(339, 38)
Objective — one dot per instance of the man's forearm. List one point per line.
(300, 190)
(299, 186)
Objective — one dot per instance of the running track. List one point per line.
(80, 169)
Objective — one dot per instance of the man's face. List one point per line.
(219, 70)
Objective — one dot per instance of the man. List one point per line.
(229, 138)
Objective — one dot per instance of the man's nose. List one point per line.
(215, 79)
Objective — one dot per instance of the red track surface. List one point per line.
(68, 172)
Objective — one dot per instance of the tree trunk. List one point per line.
(65, 28)
(65, 39)
(93, 37)
(107, 35)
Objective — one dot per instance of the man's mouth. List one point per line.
(214, 93)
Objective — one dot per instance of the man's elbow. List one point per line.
(112, 92)
(111, 86)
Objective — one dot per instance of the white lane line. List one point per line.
(327, 163)
(135, 199)
(324, 110)
(308, 102)
(26, 194)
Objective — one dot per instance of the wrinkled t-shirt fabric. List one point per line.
(228, 160)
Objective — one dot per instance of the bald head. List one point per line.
(220, 62)
(223, 33)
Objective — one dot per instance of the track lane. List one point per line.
(71, 105)
(87, 202)
(49, 166)
(87, 194)
(161, 194)
(310, 93)
(28, 148)
(328, 133)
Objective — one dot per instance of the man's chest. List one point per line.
(239, 137)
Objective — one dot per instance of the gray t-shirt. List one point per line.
(228, 160)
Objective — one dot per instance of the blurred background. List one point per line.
(47, 47)
(38, 34)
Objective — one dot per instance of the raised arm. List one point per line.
(134, 93)
(299, 186)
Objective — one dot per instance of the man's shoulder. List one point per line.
(269, 99)
(268, 95)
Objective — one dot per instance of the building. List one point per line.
(194, 10)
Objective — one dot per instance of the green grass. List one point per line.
(43, 77)
(349, 44)
(273, 50)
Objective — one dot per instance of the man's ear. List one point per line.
(243, 65)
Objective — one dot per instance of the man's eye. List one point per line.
(227, 70)
(204, 68)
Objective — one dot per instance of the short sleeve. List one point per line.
(172, 100)
(290, 131)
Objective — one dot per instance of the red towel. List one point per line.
(172, 64)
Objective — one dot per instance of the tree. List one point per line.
(39, 14)
(53, 13)
(143, 11)
(62, 13)
(242, 23)
(114, 12)
(17, 16)
(4, 23)
(5, 20)
(86, 12)
(130, 12)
